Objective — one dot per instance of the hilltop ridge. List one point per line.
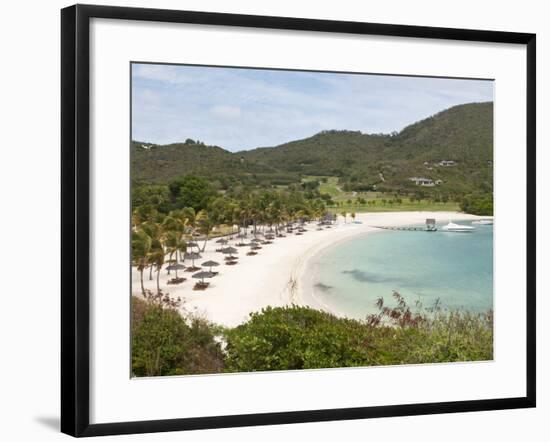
(462, 135)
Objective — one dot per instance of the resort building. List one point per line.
(447, 163)
(420, 181)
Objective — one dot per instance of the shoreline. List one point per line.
(280, 275)
(306, 291)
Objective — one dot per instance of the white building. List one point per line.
(447, 163)
(421, 181)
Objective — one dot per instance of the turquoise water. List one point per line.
(456, 268)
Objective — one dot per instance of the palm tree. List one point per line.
(154, 232)
(244, 214)
(205, 225)
(142, 214)
(156, 258)
(345, 215)
(174, 229)
(172, 244)
(352, 215)
(300, 215)
(187, 216)
(141, 247)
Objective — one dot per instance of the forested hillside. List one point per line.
(461, 135)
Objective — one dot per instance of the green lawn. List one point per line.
(342, 199)
(405, 206)
(331, 188)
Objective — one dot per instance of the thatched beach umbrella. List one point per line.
(202, 275)
(253, 248)
(222, 241)
(192, 244)
(210, 264)
(175, 267)
(192, 256)
(229, 250)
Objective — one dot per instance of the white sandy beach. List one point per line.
(277, 276)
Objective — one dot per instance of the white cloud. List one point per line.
(161, 73)
(226, 112)
(247, 108)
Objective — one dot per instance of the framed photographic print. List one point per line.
(276, 220)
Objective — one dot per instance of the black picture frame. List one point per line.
(75, 212)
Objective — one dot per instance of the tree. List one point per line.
(345, 215)
(166, 343)
(205, 225)
(174, 229)
(156, 258)
(191, 191)
(141, 247)
(477, 204)
(352, 215)
(154, 231)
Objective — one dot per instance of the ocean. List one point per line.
(454, 268)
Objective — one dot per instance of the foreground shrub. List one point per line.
(434, 334)
(166, 343)
(287, 338)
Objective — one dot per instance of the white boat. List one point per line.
(484, 222)
(452, 227)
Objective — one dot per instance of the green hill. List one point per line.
(462, 134)
(154, 164)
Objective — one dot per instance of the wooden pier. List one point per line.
(430, 227)
(404, 228)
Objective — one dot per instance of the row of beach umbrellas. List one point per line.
(178, 266)
(269, 235)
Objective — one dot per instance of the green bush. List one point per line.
(478, 204)
(287, 338)
(165, 343)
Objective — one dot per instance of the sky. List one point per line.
(241, 109)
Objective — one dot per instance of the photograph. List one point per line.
(287, 219)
